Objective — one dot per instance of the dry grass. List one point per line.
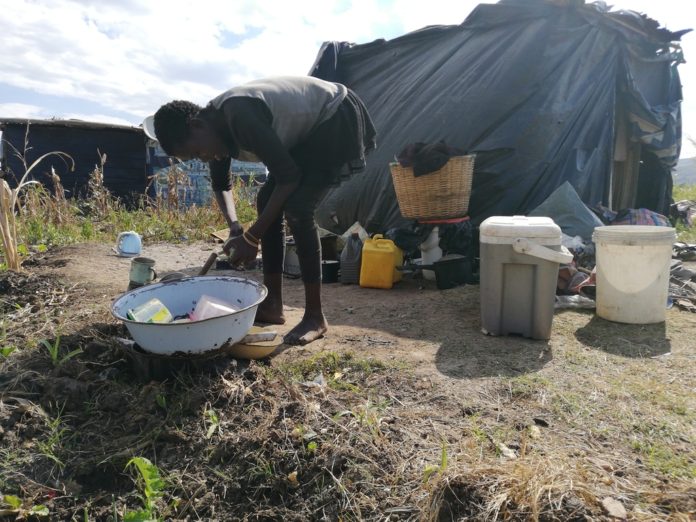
(11, 205)
(365, 442)
(45, 218)
(336, 436)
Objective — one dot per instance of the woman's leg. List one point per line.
(299, 212)
(273, 254)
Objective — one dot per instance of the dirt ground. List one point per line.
(404, 411)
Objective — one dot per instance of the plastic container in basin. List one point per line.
(633, 265)
(180, 296)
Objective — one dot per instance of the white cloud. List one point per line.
(130, 56)
(20, 110)
(23, 110)
(133, 56)
(100, 118)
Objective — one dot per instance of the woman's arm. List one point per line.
(225, 201)
(222, 188)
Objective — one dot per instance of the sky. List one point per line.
(118, 60)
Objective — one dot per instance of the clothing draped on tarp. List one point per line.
(530, 86)
(426, 158)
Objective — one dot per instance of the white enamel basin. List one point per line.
(180, 297)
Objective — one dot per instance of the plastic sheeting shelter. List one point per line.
(543, 91)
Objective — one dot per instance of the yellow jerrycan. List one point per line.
(380, 258)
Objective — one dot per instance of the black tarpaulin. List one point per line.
(531, 86)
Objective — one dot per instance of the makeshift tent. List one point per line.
(544, 91)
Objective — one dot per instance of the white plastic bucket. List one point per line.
(633, 265)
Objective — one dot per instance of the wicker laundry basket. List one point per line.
(442, 194)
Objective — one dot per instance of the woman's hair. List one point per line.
(172, 124)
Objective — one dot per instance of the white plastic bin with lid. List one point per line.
(519, 272)
(633, 264)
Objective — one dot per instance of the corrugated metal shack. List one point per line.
(125, 172)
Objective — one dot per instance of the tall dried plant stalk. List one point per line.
(176, 179)
(100, 197)
(9, 199)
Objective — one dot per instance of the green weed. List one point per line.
(680, 192)
(48, 218)
(11, 506)
(651, 439)
(49, 446)
(6, 348)
(212, 419)
(336, 369)
(432, 469)
(263, 469)
(152, 489)
(477, 430)
(370, 415)
(53, 349)
(161, 401)
(661, 458)
(527, 386)
(10, 202)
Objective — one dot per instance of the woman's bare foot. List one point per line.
(270, 312)
(310, 329)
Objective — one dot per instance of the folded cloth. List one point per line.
(427, 157)
(632, 216)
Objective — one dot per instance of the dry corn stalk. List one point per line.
(99, 194)
(8, 227)
(8, 204)
(176, 179)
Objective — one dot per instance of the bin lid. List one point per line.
(503, 230)
(635, 235)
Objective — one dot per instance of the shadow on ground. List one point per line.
(492, 357)
(444, 325)
(627, 340)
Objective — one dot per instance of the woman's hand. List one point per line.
(239, 251)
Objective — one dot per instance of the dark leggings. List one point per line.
(299, 213)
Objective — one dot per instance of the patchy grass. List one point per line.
(77, 222)
(47, 218)
(680, 192)
(684, 192)
(610, 414)
(338, 371)
(368, 440)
